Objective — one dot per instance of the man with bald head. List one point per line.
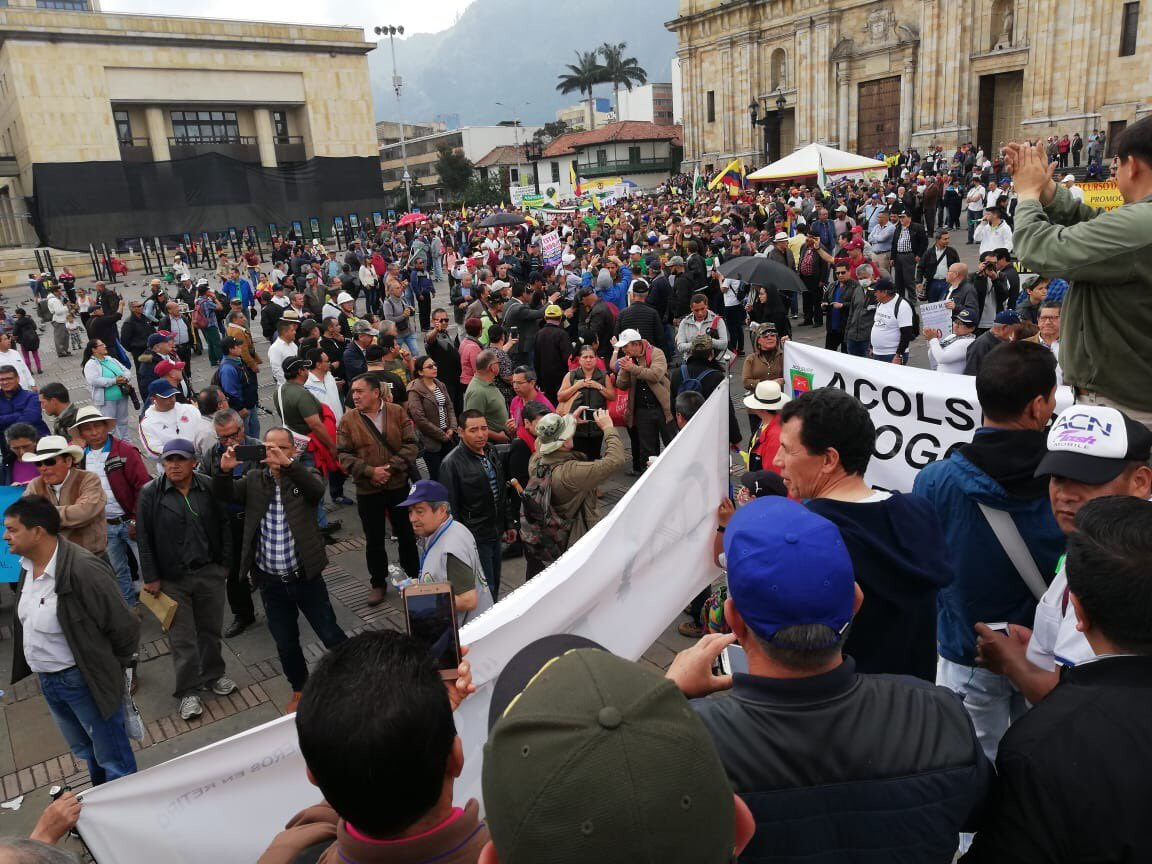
(960, 292)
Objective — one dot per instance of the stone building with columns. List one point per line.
(115, 126)
(878, 75)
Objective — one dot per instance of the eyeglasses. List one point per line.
(439, 320)
(47, 463)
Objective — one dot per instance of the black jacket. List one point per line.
(301, 489)
(839, 763)
(599, 321)
(134, 334)
(1073, 772)
(446, 354)
(916, 235)
(660, 295)
(643, 318)
(163, 523)
(553, 347)
(101, 632)
(528, 322)
(926, 269)
(462, 473)
(980, 349)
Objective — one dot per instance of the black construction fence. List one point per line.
(209, 202)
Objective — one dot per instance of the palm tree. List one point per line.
(581, 77)
(620, 70)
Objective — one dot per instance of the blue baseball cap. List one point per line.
(178, 447)
(162, 387)
(787, 567)
(1008, 316)
(425, 492)
(965, 316)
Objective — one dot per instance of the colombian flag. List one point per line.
(733, 176)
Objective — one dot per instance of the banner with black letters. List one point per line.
(920, 415)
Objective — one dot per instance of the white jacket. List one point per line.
(183, 421)
(950, 354)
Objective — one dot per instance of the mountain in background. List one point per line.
(512, 51)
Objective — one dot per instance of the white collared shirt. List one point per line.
(45, 646)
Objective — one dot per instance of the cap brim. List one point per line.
(1092, 470)
(526, 664)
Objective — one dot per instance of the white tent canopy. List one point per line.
(804, 163)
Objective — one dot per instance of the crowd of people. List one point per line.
(477, 417)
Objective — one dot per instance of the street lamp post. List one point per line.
(769, 120)
(397, 82)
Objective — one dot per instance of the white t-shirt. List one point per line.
(890, 317)
(1055, 640)
(278, 352)
(94, 461)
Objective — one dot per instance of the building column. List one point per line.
(265, 137)
(907, 97)
(842, 105)
(157, 134)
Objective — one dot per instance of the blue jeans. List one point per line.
(991, 700)
(857, 348)
(103, 744)
(120, 546)
(283, 601)
(252, 423)
(411, 341)
(491, 553)
(887, 358)
(937, 290)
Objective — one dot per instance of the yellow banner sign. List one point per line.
(1105, 195)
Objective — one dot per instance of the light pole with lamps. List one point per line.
(397, 82)
(775, 120)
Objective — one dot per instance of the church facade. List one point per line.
(879, 75)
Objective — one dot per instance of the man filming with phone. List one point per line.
(283, 549)
(448, 550)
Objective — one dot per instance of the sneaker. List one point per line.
(290, 708)
(343, 501)
(190, 707)
(223, 686)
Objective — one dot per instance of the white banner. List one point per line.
(620, 586)
(920, 415)
(517, 193)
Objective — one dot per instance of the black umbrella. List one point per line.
(762, 271)
(499, 220)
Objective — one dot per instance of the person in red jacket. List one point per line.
(122, 474)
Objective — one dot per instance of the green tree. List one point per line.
(550, 131)
(620, 71)
(456, 171)
(581, 77)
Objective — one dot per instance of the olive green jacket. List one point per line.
(1107, 313)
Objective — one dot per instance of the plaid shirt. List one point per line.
(276, 552)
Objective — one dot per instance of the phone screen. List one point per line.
(432, 623)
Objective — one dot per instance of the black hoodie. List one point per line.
(900, 562)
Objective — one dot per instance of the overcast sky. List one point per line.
(426, 17)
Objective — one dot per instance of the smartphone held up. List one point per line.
(430, 610)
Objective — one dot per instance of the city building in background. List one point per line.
(873, 77)
(648, 102)
(475, 142)
(116, 126)
(640, 153)
(579, 116)
(388, 131)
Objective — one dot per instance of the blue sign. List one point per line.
(9, 563)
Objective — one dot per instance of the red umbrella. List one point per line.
(411, 219)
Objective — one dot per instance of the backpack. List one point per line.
(199, 319)
(693, 385)
(541, 527)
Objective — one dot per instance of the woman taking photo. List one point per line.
(108, 382)
(586, 386)
(431, 410)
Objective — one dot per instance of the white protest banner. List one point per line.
(920, 415)
(937, 316)
(550, 248)
(619, 586)
(517, 193)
